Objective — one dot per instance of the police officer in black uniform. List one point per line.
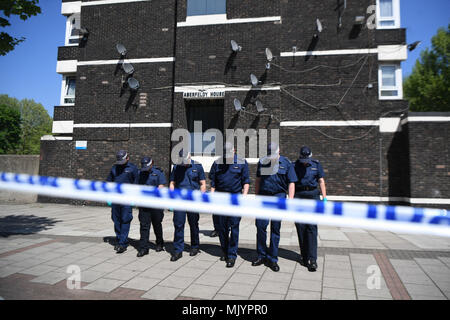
(232, 176)
(275, 176)
(150, 175)
(310, 176)
(187, 175)
(122, 172)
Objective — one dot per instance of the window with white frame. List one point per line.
(390, 82)
(205, 7)
(72, 30)
(68, 90)
(388, 14)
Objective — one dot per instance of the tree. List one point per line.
(22, 8)
(35, 122)
(428, 86)
(9, 129)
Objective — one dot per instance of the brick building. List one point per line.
(335, 84)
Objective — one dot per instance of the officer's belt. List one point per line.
(305, 188)
(229, 191)
(265, 193)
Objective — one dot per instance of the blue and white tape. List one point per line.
(343, 214)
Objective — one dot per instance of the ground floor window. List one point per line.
(210, 114)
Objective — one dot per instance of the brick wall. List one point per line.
(63, 113)
(359, 161)
(429, 158)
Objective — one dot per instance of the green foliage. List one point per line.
(10, 130)
(428, 86)
(35, 123)
(22, 8)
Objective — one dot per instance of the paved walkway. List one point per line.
(40, 243)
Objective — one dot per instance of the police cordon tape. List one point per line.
(341, 214)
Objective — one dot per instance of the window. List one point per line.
(204, 7)
(390, 82)
(68, 93)
(388, 14)
(211, 115)
(72, 30)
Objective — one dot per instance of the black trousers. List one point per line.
(307, 233)
(216, 222)
(147, 217)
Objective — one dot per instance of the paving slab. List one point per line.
(188, 272)
(342, 283)
(238, 289)
(51, 278)
(250, 279)
(106, 267)
(89, 276)
(39, 270)
(266, 296)
(303, 295)
(103, 285)
(8, 270)
(419, 290)
(213, 280)
(141, 283)
(200, 291)
(162, 293)
(121, 274)
(273, 287)
(306, 285)
(174, 281)
(345, 254)
(338, 294)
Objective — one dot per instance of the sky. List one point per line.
(29, 71)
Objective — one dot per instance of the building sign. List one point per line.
(204, 95)
(81, 145)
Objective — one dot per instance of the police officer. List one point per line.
(151, 176)
(187, 175)
(275, 176)
(122, 172)
(230, 176)
(310, 175)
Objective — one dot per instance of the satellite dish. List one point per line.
(237, 105)
(254, 80)
(269, 54)
(259, 106)
(133, 83)
(319, 26)
(127, 67)
(235, 47)
(121, 49)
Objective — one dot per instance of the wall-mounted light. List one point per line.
(414, 45)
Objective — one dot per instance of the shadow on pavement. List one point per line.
(211, 249)
(24, 224)
(206, 232)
